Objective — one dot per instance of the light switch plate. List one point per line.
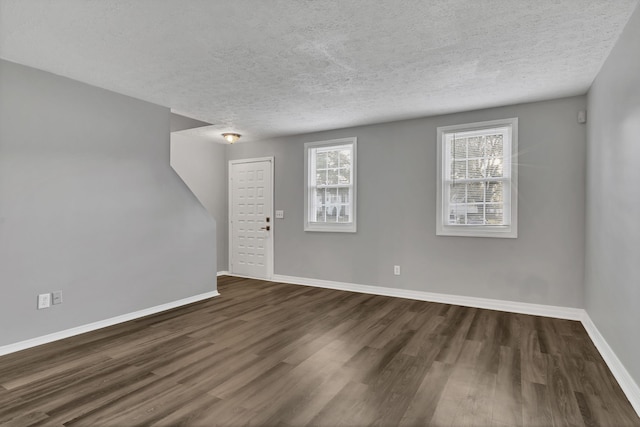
(57, 298)
(280, 214)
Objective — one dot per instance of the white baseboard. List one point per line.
(628, 385)
(490, 304)
(33, 342)
(242, 276)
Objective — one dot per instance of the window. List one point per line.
(477, 179)
(330, 185)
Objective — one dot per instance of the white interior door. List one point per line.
(251, 217)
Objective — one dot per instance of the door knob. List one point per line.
(266, 228)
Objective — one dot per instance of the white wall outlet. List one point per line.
(280, 214)
(582, 116)
(57, 298)
(396, 270)
(44, 301)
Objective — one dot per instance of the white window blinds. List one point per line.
(476, 185)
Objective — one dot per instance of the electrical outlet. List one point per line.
(396, 270)
(57, 298)
(44, 301)
(280, 214)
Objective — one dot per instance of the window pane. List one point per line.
(332, 205)
(494, 214)
(332, 159)
(319, 213)
(494, 167)
(321, 177)
(457, 214)
(459, 148)
(494, 192)
(476, 169)
(457, 193)
(344, 175)
(459, 169)
(332, 176)
(332, 214)
(321, 160)
(477, 217)
(475, 192)
(343, 195)
(345, 158)
(344, 214)
(494, 145)
(476, 146)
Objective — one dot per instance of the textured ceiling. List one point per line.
(277, 67)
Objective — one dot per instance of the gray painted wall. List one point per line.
(89, 205)
(178, 122)
(202, 165)
(613, 199)
(397, 208)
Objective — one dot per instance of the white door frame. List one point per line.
(270, 256)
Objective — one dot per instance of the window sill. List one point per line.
(510, 232)
(331, 228)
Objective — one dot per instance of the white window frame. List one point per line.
(510, 151)
(309, 180)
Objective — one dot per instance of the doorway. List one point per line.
(251, 217)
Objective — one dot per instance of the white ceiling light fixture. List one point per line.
(231, 137)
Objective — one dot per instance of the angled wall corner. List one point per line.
(201, 164)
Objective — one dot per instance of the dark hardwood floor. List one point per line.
(283, 355)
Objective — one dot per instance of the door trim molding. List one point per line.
(270, 247)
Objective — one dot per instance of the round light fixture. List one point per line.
(231, 137)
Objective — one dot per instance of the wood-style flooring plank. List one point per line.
(274, 354)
